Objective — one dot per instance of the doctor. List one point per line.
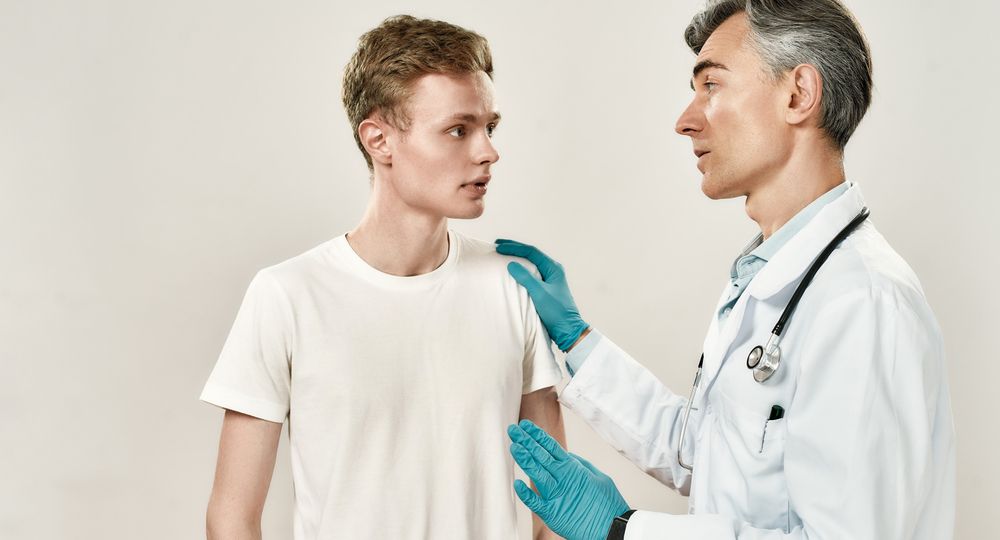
(844, 429)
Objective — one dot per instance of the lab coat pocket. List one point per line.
(756, 456)
(773, 434)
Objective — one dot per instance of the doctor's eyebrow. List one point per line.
(702, 66)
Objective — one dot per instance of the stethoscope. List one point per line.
(764, 360)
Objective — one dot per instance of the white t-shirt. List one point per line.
(398, 390)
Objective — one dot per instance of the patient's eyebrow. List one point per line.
(471, 118)
(702, 66)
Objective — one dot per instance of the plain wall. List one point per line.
(154, 155)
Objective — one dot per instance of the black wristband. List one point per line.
(618, 525)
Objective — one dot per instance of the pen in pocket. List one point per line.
(777, 413)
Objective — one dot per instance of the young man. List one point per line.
(839, 428)
(400, 350)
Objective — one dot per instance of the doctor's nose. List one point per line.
(690, 121)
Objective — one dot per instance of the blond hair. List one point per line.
(396, 53)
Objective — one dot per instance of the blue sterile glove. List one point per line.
(552, 297)
(575, 500)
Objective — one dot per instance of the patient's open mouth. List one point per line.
(478, 186)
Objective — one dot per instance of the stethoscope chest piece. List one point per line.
(763, 362)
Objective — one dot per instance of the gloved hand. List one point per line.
(575, 500)
(552, 297)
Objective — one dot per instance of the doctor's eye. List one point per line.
(490, 128)
(457, 132)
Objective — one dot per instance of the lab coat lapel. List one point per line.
(712, 337)
(786, 267)
(716, 349)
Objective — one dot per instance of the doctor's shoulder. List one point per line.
(866, 269)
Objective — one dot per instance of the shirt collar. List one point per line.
(790, 263)
(764, 250)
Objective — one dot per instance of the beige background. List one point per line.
(153, 156)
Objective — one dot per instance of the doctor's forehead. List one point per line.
(727, 42)
(731, 35)
(729, 48)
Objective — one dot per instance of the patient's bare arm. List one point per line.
(542, 408)
(247, 451)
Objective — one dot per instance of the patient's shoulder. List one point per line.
(483, 255)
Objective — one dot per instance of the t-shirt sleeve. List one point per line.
(540, 369)
(253, 372)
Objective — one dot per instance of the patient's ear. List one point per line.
(372, 132)
(805, 89)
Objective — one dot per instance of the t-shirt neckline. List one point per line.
(362, 268)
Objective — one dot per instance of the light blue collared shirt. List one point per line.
(749, 262)
(756, 254)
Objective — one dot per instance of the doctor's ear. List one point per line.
(372, 132)
(805, 87)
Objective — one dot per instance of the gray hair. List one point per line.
(787, 33)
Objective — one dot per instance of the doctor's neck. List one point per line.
(800, 180)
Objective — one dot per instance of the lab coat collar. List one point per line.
(794, 258)
(787, 265)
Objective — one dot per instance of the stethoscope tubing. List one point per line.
(797, 295)
(793, 302)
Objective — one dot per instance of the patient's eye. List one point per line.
(457, 132)
(490, 128)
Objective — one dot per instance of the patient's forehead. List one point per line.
(436, 96)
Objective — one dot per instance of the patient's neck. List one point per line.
(398, 239)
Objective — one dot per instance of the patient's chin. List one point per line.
(469, 212)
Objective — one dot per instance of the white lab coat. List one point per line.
(866, 447)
